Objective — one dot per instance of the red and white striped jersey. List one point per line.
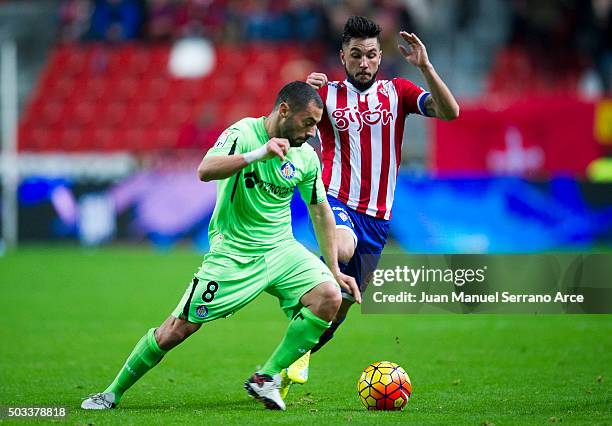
(361, 139)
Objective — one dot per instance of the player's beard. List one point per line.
(296, 143)
(358, 84)
(285, 130)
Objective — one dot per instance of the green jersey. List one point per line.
(253, 214)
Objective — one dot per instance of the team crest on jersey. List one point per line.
(287, 170)
(201, 311)
(343, 216)
(383, 90)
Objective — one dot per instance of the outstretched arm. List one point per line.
(224, 166)
(441, 103)
(325, 230)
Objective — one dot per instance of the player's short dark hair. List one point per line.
(360, 27)
(298, 96)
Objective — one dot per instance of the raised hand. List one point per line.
(417, 55)
(316, 80)
(277, 147)
(349, 284)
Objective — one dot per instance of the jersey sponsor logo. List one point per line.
(287, 170)
(343, 117)
(201, 311)
(251, 180)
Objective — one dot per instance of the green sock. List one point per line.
(145, 355)
(303, 333)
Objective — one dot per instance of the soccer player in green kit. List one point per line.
(257, 163)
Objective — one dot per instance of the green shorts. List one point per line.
(226, 282)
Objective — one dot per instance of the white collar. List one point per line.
(372, 88)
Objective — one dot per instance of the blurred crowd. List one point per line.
(555, 36)
(565, 36)
(234, 21)
(218, 20)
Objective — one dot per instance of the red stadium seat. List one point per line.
(51, 113)
(24, 137)
(125, 89)
(166, 137)
(115, 114)
(101, 98)
(120, 140)
(84, 113)
(71, 62)
(87, 136)
(52, 139)
(136, 139)
(61, 88)
(156, 89)
(37, 139)
(71, 139)
(159, 58)
(515, 73)
(177, 113)
(230, 59)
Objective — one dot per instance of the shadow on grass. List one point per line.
(245, 405)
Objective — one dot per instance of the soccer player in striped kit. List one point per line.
(361, 138)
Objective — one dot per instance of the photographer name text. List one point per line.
(461, 297)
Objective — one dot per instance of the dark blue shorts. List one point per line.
(370, 234)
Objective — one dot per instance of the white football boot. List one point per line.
(99, 401)
(264, 388)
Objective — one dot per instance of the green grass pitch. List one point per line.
(69, 317)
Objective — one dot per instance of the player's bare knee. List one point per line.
(346, 245)
(346, 252)
(330, 301)
(323, 300)
(334, 298)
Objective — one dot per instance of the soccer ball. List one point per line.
(384, 385)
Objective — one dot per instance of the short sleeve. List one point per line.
(228, 143)
(411, 96)
(311, 187)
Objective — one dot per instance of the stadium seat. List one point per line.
(51, 113)
(125, 88)
(84, 113)
(32, 139)
(99, 98)
(112, 114)
(515, 73)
